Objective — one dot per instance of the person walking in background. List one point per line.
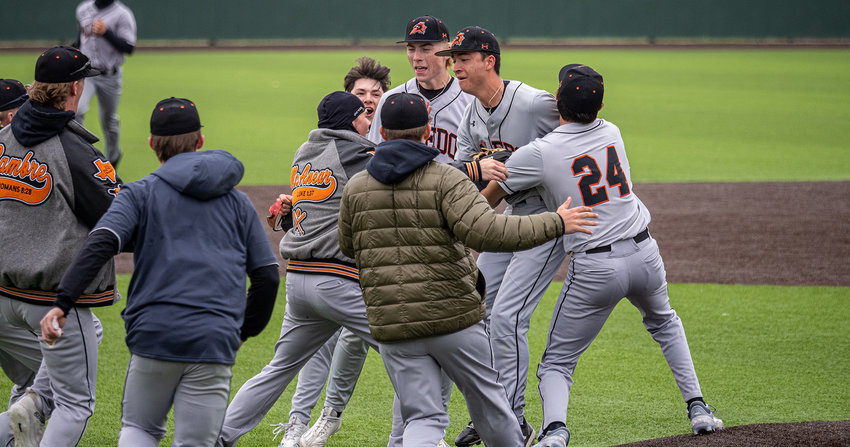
(107, 34)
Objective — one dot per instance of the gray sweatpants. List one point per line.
(316, 307)
(71, 367)
(108, 88)
(595, 284)
(515, 284)
(415, 370)
(198, 392)
(20, 356)
(342, 355)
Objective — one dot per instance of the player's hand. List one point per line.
(50, 331)
(575, 219)
(493, 170)
(98, 27)
(282, 206)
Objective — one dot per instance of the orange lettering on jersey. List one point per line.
(25, 180)
(105, 171)
(310, 185)
(458, 39)
(419, 28)
(299, 217)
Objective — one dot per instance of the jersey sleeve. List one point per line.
(94, 179)
(465, 144)
(525, 169)
(126, 28)
(545, 110)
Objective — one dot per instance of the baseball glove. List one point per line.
(497, 154)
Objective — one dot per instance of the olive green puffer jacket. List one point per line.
(410, 241)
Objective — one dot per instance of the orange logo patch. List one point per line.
(310, 185)
(419, 28)
(105, 171)
(25, 180)
(458, 39)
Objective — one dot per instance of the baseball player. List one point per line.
(107, 34)
(48, 210)
(505, 115)
(585, 158)
(186, 312)
(345, 352)
(406, 220)
(322, 292)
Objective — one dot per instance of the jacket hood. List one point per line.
(36, 123)
(394, 160)
(203, 175)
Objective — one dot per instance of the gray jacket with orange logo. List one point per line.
(320, 171)
(54, 186)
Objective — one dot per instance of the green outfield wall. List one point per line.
(215, 20)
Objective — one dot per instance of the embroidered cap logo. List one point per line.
(419, 28)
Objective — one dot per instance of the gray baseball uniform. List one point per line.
(104, 54)
(588, 163)
(446, 114)
(515, 281)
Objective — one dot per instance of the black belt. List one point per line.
(642, 236)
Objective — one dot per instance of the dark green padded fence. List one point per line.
(213, 20)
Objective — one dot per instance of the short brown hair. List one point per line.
(367, 68)
(50, 94)
(414, 134)
(169, 146)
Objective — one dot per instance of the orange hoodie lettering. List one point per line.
(310, 185)
(25, 179)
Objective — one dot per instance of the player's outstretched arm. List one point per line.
(575, 219)
(493, 193)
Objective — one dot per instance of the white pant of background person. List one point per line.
(71, 366)
(596, 282)
(516, 282)
(341, 358)
(415, 368)
(108, 88)
(198, 391)
(316, 306)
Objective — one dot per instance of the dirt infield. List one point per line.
(732, 233)
(726, 233)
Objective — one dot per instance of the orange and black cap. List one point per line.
(581, 88)
(472, 38)
(12, 94)
(174, 116)
(63, 64)
(425, 29)
(404, 111)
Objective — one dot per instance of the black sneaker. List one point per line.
(467, 437)
(527, 433)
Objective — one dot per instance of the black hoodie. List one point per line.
(395, 160)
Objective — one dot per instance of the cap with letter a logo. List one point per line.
(472, 38)
(426, 29)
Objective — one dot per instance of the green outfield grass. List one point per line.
(686, 115)
(763, 354)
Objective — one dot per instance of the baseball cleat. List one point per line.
(292, 432)
(443, 443)
(559, 437)
(703, 418)
(327, 424)
(527, 433)
(27, 420)
(468, 436)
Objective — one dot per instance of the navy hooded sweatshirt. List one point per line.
(194, 238)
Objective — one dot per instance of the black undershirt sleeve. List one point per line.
(261, 297)
(119, 43)
(100, 247)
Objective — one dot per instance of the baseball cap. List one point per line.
(581, 88)
(425, 29)
(404, 111)
(174, 116)
(63, 64)
(472, 38)
(338, 109)
(12, 94)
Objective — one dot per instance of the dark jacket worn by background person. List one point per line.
(408, 221)
(194, 238)
(54, 186)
